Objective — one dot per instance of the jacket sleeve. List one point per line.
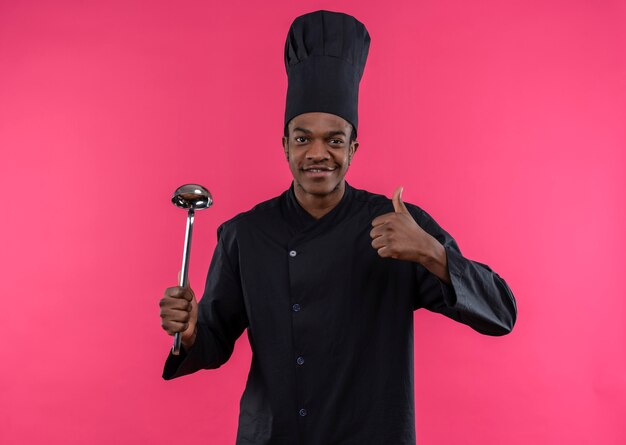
(221, 315)
(478, 296)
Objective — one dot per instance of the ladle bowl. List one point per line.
(192, 196)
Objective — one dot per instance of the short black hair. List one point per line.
(352, 134)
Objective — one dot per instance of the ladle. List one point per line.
(191, 197)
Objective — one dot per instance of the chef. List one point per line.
(325, 277)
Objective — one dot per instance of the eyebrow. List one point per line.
(330, 133)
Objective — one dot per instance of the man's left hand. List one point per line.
(397, 235)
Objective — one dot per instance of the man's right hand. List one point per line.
(179, 313)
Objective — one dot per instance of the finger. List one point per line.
(179, 275)
(172, 327)
(188, 295)
(181, 304)
(376, 232)
(398, 205)
(180, 316)
(379, 242)
(175, 316)
(384, 252)
(177, 292)
(382, 219)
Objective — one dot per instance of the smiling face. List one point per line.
(319, 152)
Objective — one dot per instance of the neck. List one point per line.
(319, 205)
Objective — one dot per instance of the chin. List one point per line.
(319, 189)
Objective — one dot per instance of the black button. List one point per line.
(302, 412)
(300, 360)
(295, 307)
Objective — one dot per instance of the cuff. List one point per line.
(174, 363)
(452, 293)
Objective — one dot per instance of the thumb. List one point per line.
(398, 205)
(180, 272)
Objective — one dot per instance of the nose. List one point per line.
(317, 151)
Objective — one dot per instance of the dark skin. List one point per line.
(319, 153)
(179, 313)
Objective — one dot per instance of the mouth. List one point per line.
(319, 168)
(318, 171)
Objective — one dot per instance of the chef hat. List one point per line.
(325, 56)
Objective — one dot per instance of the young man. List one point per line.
(325, 277)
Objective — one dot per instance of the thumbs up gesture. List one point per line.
(397, 235)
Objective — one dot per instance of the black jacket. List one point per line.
(330, 323)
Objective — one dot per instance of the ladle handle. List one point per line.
(183, 276)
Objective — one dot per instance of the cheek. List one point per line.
(293, 163)
(343, 159)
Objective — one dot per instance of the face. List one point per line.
(319, 152)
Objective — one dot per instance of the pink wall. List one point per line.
(504, 120)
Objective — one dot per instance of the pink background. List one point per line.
(504, 120)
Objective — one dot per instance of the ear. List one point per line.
(285, 143)
(353, 148)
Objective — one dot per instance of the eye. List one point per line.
(336, 141)
(297, 138)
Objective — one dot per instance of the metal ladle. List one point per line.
(191, 197)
